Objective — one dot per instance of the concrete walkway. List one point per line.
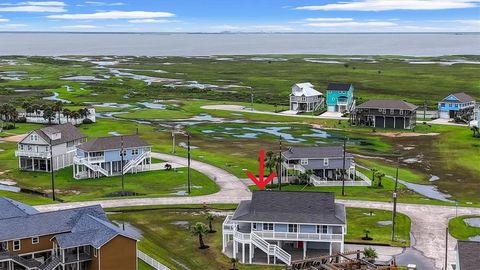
(428, 221)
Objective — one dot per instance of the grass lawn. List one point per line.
(461, 230)
(359, 219)
(164, 227)
(145, 184)
(26, 198)
(143, 266)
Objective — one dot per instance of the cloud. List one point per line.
(352, 24)
(382, 5)
(34, 6)
(469, 22)
(151, 21)
(44, 3)
(79, 26)
(109, 15)
(328, 19)
(95, 3)
(4, 20)
(272, 27)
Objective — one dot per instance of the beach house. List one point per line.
(54, 143)
(395, 114)
(458, 105)
(73, 239)
(340, 97)
(108, 156)
(467, 255)
(304, 98)
(320, 166)
(280, 226)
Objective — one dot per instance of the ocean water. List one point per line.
(183, 44)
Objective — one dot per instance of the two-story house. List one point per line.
(281, 226)
(340, 97)
(467, 255)
(396, 114)
(73, 239)
(108, 156)
(304, 98)
(325, 163)
(456, 105)
(56, 143)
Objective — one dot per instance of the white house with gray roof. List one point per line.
(322, 164)
(59, 142)
(72, 239)
(304, 98)
(109, 156)
(278, 227)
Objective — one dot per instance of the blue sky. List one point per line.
(242, 15)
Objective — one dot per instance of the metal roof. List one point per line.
(114, 142)
(339, 86)
(306, 89)
(468, 255)
(291, 207)
(315, 152)
(68, 133)
(387, 104)
(462, 97)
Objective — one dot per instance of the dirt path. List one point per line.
(428, 221)
(14, 138)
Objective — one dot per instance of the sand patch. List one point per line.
(15, 138)
(404, 134)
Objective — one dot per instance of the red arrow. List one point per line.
(261, 182)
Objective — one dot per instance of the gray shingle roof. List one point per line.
(69, 133)
(462, 97)
(114, 142)
(387, 104)
(291, 207)
(338, 86)
(468, 253)
(315, 152)
(10, 209)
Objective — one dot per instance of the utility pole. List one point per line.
(173, 141)
(394, 214)
(251, 99)
(343, 171)
(446, 248)
(188, 172)
(279, 176)
(123, 173)
(424, 109)
(51, 170)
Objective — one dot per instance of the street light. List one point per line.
(51, 169)
(188, 154)
(123, 173)
(394, 214)
(343, 172)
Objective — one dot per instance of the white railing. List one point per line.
(96, 159)
(23, 153)
(227, 225)
(242, 237)
(150, 261)
(95, 168)
(298, 236)
(134, 162)
(271, 249)
(319, 182)
(288, 166)
(299, 168)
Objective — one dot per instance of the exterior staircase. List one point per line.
(51, 263)
(271, 249)
(93, 167)
(28, 264)
(134, 162)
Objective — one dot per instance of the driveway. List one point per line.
(428, 221)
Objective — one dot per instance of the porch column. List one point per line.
(243, 252)
(33, 164)
(111, 168)
(304, 249)
(223, 242)
(235, 248)
(341, 247)
(251, 251)
(330, 248)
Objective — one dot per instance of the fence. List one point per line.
(150, 261)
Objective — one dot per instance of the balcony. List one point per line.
(23, 153)
(89, 159)
(272, 235)
(227, 225)
(82, 256)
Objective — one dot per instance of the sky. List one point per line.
(242, 16)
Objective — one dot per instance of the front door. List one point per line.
(300, 244)
(452, 114)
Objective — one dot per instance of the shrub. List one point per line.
(87, 121)
(8, 126)
(22, 119)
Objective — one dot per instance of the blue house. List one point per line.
(103, 157)
(281, 226)
(340, 97)
(456, 105)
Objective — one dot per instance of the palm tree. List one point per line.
(84, 112)
(278, 167)
(75, 115)
(304, 178)
(233, 261)
(475, 130)
(67, 113)
(380, 175)
(3, 112)
(373, 174)
(367, 236)
(27, 106)
(12, 114)
(58, 106)
(200, 229)
(210, 217)
(270, 161)
(370, 254)
(48, 113)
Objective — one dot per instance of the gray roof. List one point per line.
(291, 207)
(338, 86)
(462, 97)
(10, 208)
(468, 255)
(114, 142)
(315, 152)
(387, 104)
(69, 133)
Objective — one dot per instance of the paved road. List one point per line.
(428, 221)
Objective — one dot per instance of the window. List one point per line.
(21, 147)
(322, 229)
(442, 105)
(34, 137)
(124, 153)
(35, 240)
(401, 112)
(456, 105)
(134, 151)
(303, 161)
(392, 111)
(268, 226)
(292, 227)
(254, 226)
(4, 246)
(95, 252)
(16, 245)
(325, 162)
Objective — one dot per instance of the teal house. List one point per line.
(340, 97)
